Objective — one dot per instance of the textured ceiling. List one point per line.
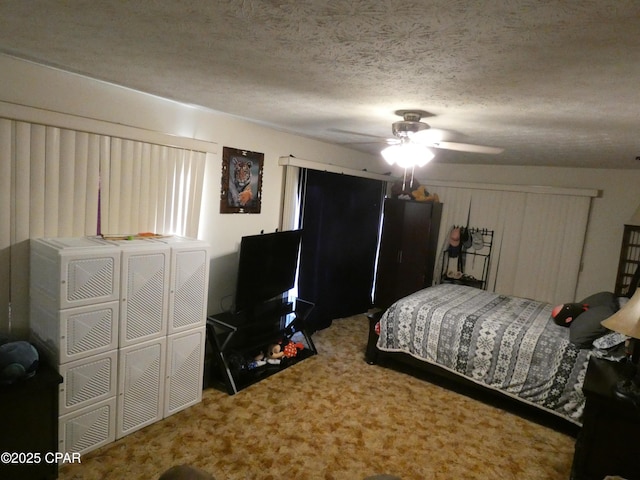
(553, 82)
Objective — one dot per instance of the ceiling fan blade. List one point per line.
(381, 141)
(349, 132)
(467, 147)
(372, 142)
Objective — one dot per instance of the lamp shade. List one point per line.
(407, 155)
(627, 319)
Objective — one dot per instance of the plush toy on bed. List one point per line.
(584, 318)
(564, 314)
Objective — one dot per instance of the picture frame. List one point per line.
(241, 190)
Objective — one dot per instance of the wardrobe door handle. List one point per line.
(399, 256)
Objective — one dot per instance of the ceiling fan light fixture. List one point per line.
(411, 129)
(405, 128)
(407, 155)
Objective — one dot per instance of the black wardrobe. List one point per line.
(408, 249)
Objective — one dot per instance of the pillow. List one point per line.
(600, 298)
(566, 313)
(586, 327)
(609, 340)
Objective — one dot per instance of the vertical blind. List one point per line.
(538, 237)
(52, 180)
(151, 188)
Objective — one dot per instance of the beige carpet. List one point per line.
(334, 417)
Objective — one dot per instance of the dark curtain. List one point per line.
(340, 218)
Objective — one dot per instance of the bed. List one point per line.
(502, 343)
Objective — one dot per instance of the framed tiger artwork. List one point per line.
(241, 181)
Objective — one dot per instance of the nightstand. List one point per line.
(29, 419)
(608, 441)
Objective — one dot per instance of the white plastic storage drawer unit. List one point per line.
(124, 323)
(185, 363)
(140, 385)
(87, 381)
(74, 333)
(189, 283)
(144, 290)
(75, 271)
(88, 428)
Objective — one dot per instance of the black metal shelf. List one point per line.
(462, 274)
(236, 338)
(629, 259)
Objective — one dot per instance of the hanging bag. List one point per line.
(454, 242)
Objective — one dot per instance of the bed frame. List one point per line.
(440, 376)
(407, 364)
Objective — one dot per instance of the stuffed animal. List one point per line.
(291, 349)
(274, 354)
(397, 190)
(258, 361)
(415, 191)
(422, 195)
(566, 313)
(18, 360)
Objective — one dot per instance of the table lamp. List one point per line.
(627, 321)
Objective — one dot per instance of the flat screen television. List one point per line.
(266, 268)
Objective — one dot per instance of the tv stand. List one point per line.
(237, 339)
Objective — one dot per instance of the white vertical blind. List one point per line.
(290, 199)
(159, 190)
(6, 218)
(193, 197)
(67, 180)
(49, 183)
(538, 237)
(494, 210)
(151, 188)
(551, 246)
(22, 173)
(50, 188)
(19, 249)
(38, 176)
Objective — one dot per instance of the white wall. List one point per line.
(29, 84)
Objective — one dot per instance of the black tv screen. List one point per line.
(266, 268)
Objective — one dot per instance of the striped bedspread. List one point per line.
(506, 343)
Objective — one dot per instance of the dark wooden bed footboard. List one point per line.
(371, 354)
(444, 378)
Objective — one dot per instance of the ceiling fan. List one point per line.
(413, 140)
(411, 129)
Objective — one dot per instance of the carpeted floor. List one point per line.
(334, 417)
